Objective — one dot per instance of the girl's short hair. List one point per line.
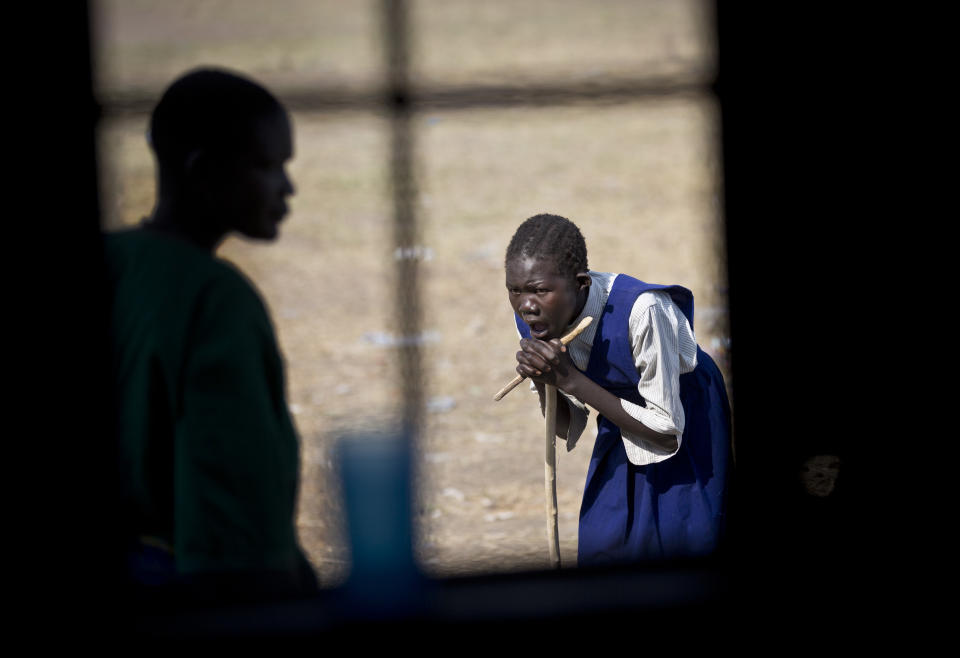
(553, 238)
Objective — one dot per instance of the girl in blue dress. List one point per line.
(657, 482)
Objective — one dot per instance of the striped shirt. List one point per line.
(664, 347)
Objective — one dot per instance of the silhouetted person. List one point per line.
(208, 453)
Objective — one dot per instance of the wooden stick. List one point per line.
(584, 323)
(550, 474)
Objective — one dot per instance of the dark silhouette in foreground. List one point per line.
(209, 458)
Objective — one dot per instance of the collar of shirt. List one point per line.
(580, 347)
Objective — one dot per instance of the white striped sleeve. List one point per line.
(664, 347)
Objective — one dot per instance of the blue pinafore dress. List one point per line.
(672, 508)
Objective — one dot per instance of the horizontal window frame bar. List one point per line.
(454, 97)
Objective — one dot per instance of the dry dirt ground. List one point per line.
(641, 179)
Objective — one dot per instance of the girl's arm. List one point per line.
(548, 363)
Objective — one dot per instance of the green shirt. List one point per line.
(208, 451)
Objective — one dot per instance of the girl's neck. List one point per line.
(582, 297)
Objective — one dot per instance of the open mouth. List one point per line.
(539, 330)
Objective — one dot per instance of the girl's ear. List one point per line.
(583, 280)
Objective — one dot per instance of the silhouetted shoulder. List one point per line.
(169, 296)
(169, 267)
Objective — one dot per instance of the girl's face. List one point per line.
(548, 302)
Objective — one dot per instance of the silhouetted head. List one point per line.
(221, 142)
(546, 274)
